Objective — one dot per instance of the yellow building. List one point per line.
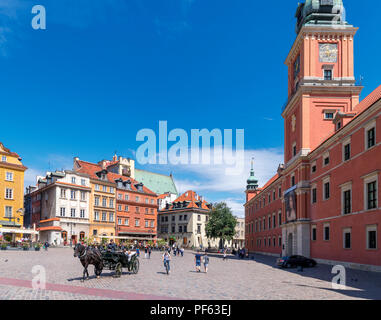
(11, 190)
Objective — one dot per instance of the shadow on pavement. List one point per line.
(367, 283)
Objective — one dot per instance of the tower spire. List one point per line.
(252, 182)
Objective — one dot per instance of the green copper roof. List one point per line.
(252, 182)
(320, 12)
(156, 182)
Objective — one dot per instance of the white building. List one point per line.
(60, 207)
(166, 198)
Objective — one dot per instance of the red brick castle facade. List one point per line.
(324, 201)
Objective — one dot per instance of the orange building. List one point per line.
(325, 197)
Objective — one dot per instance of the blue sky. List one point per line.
(104, 69)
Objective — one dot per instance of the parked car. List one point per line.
(295, 261)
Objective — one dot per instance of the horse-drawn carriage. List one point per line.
(106, 259)
(117, 260)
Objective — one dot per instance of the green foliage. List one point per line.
(221, 223)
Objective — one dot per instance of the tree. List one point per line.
(221, 223)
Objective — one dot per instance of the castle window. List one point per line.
(328, 115)
(347, 152)
(327, 75)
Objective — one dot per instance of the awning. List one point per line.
(124, 238)
(18, 231)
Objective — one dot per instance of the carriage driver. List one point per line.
(111, 246)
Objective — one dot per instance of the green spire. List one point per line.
(252, 182)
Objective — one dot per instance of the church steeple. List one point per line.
(252, 182)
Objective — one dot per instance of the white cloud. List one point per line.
(212, 181)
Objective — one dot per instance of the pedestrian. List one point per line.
(182, 252)
(225, 254)
(145, 253)
(197, 260)
(137, 252)
(149, 252)
(206, 262)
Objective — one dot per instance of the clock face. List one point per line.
(328, 52)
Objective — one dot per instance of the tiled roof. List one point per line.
(6, 150)
(191, 197)
(369, 100)
(273, 179)
(50, 229)
(158, 183)
(91, 169)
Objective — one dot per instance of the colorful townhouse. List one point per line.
(136, 205)
(324, 200)
(102, 199)
(11, 193)
(59, 206)
(123, 208)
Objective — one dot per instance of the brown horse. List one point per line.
(87, 256)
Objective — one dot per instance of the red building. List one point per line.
(328, 189)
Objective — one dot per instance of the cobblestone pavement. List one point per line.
(231, 279)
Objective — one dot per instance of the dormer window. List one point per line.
(4, 159)
(338, 126)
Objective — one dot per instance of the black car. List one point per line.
(296, 261)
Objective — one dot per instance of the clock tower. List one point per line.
(321, 79)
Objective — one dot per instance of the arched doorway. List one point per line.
(290, 244)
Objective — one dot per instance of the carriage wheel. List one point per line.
(135, 267)
(118, 269)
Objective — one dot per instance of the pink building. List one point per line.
(323, 202)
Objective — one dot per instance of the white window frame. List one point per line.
(325, 156)
(3, 159)
(313, 186)
(344, 144)
(313, 227)
(369, 178)
(11, 179)
(329, 226)
(345, 231)
(369, 126)
(371, 228)
(82, 213)
(5, 212)
(324, 181)
(346, 187)
(8, 194)
(313, 164)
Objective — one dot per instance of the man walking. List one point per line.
(225, 254)
(149, 252)
(206, 262)
(197, 260)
